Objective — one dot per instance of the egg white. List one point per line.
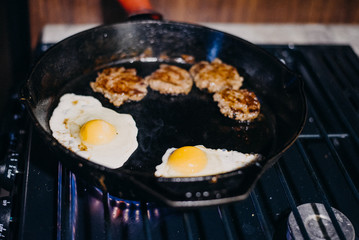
(219, 161)
(73, 111)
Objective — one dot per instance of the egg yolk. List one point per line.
(97, 132)
(187, 160)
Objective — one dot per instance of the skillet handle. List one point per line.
(140, 10)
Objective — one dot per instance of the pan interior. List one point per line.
(165, 121)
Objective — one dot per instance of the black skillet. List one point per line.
(171, 121)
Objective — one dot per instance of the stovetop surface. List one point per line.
(322, 167)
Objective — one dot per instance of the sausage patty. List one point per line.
(120, 85)
(169, 79)
(215, 76)
(242, 104)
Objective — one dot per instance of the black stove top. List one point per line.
(321, 167)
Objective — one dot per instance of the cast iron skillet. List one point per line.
(167, 121)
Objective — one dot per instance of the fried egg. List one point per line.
(194, 161)
(99, 134)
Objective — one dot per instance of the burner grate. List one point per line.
(321, 167)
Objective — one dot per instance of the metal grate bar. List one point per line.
(223, 213)
(59, 201)
(345, 78)
(336, 156)
(325, 135)
(146, 224)
(107, 222)
(337, 102)
(310, 75)
(352, 59)
(318, 185)
(263, 223)
(211, 224)
(339, 105)
(348, 66)
(188, 226)
(291, 201)
(73, 221)
(318, 136)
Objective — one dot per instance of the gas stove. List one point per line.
(310, 193)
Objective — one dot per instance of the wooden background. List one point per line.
(240, 11)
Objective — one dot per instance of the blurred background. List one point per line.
(196, 11)
(22, 21)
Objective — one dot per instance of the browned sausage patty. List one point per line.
(169, 79)
(242, 105)
(120, 85)
(215, 76)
